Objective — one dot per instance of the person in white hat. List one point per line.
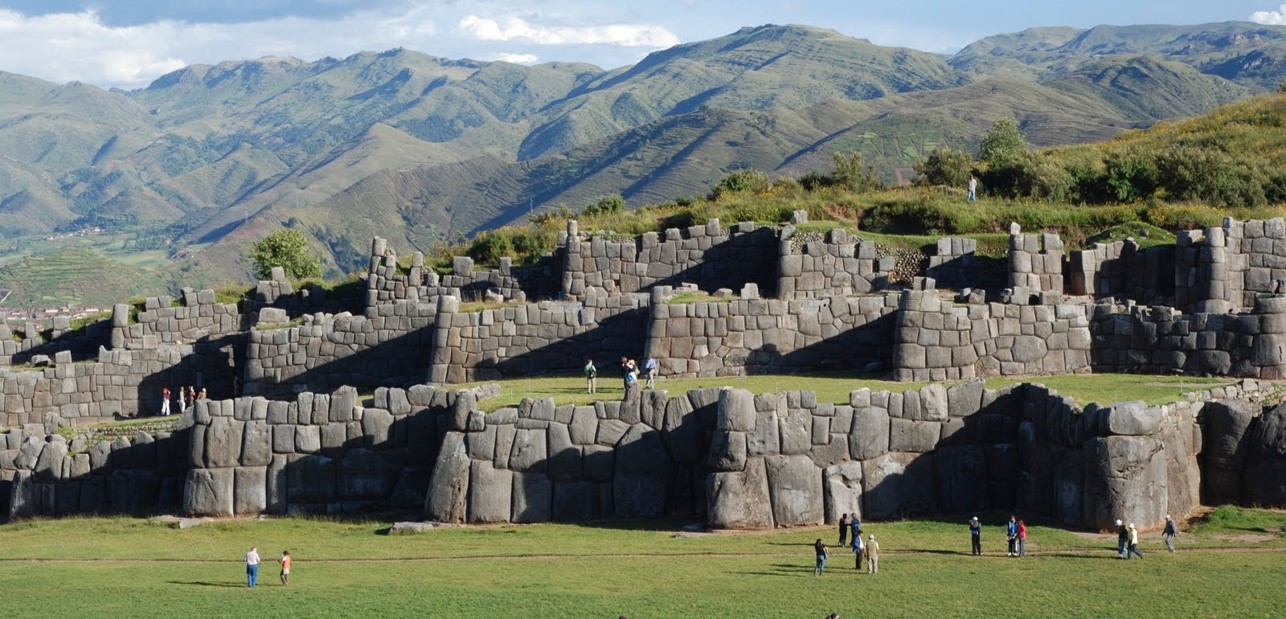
(1122, 538)
(1134, 543)
(975, 535)
(872, 555)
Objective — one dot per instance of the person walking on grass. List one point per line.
(285, 567)
(872, 555)
(975, 535)
(820, 549)
(854, 526)
(843, 530)
(1168, 533)
(1022, 538)
(973, 189)
(649, 371)
(252, 567)
(591, 376)
(1122, 538)
(1134, 543)
(858, 549)
(1011, 534)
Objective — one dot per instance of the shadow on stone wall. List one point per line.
(868, 348)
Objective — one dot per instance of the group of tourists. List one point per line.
(869, 549)
(252, 567)
(1015, 534)
(187, 395)
(630, 374)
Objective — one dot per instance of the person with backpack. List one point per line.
(591, 376)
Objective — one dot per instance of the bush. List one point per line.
(741, 181)
(287, 248)
(604, 205)
(1200, 174)
(1029, 175)
(850, 172)
(1129, 176)
(1002, 143)
(945, 166)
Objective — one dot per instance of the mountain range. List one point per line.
(421, 149)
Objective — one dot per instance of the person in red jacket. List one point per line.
(1022, 538)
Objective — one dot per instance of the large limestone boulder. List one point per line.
(365, 475)
(256, 444)
(842, 485)
(530, 451)
(796, 486)
(869, 436)
(575, 501)
(897, 485)
(208, 492)
(490, 493)
(449, 486)
(739, 500)
(682, 432)
(728, 451)
(960, 482)
(223, 442)
(1133, 419)
(1225, 444)
(644, 473)
(1265, 475)
(1125, 477)
(736, 410)
(532, 497)
(250, 493)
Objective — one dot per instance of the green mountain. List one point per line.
(423, 149)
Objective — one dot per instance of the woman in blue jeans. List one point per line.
(820, 549)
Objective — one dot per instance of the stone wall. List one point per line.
(121, 383)
(388, 347)
(750, 336)
(1035, 262)
(786, 460)
(386, 282)
(710, 256)
(45, 475)
(534, 338)
(30, 341)
(833, 265)
(318, 454)
(198, 319)
(937, 339)
(644, 458)
(953, 264)
(1122, 270)
(1161, 340)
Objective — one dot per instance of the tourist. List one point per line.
(858, 548)
(285, 567)
(820, 549)
(1011, 534)
(973, 188)
(1169, 533)
(165, 401)
(1022, 538)
(649, 371)
(192, 395)
(872, 555)
(631, 382)
(975, 535)
(1122, 538)
(855, 526)
(591, 376)
(843, 530)
(183, 400)
(201, 394)
(252, 567)
(1134, 543)
(629, 371)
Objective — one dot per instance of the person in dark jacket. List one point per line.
(975, 535)
(843, 529)
(1168, 533)
(1122, 538)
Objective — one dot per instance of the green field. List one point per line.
(835, 387)
(1230, 567)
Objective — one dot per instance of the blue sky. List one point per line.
(128, 43)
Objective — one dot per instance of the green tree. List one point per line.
(741, 181)
(1002, 143)
(945, 166)
(613, 203)
(851, 172)
(287, 249)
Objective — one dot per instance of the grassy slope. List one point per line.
(122, 566)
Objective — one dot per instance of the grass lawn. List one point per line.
(835, 387)
(1230, 566)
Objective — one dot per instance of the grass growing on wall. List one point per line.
(134, 567)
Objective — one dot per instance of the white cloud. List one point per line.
(628, 35)
(64, 47)
(1270, 18)
(516, 58)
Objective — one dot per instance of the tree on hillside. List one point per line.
(1002, 143)
(613, 203)
(945, 166)
(852, 173)
(287, 249)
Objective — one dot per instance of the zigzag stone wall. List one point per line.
(711, 256)
(783, 462)
(833, 265)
